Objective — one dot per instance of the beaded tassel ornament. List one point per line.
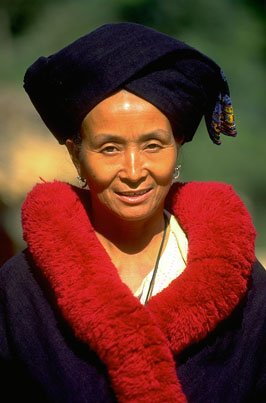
(222, 119)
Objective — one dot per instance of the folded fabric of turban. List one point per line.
(179, 80)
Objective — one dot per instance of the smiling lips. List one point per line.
(134, 197)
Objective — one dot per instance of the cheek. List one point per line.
(98, 175)
(164, 169)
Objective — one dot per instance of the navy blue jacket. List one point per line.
(42, 361)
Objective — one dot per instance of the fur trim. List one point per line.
(137, 343)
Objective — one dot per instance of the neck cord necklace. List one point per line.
(149, 293)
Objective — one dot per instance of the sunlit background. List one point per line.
(232, 32)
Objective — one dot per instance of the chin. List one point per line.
(139, 215)
(133, 218)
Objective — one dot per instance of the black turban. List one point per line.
(179, 80)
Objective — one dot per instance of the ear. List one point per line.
(74, 153)
(179, 141)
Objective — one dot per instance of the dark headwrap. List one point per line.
(179, 80)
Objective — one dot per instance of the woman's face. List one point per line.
(127, 155)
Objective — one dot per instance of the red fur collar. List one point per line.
(138, 343)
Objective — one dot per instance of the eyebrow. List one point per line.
(105, 137)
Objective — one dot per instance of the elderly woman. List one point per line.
(132, 289)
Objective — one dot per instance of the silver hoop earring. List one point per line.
(82, 182)
(177, 172)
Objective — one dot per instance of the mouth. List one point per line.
(134, 193)
(134, 197)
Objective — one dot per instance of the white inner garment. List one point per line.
(172, 262)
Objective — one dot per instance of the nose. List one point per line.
(133, 169)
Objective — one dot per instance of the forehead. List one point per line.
(124, 110)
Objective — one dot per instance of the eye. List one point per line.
(109, 149)
(153, 147)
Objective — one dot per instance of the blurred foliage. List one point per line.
(18, 14)
(232, 32)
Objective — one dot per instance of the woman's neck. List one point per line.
(130, 236)
(139, 239)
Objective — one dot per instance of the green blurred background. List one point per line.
(232, 32)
